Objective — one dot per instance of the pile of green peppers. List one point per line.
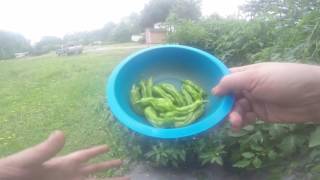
(166, 107)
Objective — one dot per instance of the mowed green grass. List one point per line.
(41, 94)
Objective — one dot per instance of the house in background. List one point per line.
(156, 35)
(137, 37)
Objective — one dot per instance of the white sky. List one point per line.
(37, 18)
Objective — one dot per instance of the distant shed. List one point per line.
(155, 36)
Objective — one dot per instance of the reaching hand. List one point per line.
(37, 163)
(273, 92)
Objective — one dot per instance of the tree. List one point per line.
(76, 38)
(122, 33)
(187, 9)
(106, 31)
(11, 43)
(161, 10)
(155, 11)
(126, 28)
(50, 41)
(46, 44)
(289, 12)
(133, 21)
(297, 26)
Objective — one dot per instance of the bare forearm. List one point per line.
(315, 92)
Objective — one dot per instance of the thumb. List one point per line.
(234, 82)
(40, 153)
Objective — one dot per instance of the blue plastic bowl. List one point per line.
(168, 63)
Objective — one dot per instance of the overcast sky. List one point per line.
(37, 18)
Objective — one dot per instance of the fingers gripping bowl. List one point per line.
(171, 64)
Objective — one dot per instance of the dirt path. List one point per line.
(146, 172)
(108, 48)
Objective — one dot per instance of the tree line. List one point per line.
(153, 12)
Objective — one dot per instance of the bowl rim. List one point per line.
(210, 121)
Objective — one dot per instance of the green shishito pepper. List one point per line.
(149, 87)
(178, 111)
(169, 88)
(160, 104)
(191, 118)
(163, 105)
(152, 116)
(186, 95)
(143, 89)
(194, 86)
(135, 97)
(158, 91)
(194, 94)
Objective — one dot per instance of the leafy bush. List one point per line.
(296, 43)
(256, 146)
(281, 148)
(238, 42)
(233, 41)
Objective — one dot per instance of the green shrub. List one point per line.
(256, 146)
(233, 41)
(281, 148)
(239, 42)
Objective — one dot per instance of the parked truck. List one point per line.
(69, 50)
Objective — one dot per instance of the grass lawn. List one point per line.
(45, 93)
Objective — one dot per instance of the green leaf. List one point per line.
(183, 156)
(315, 138)
(174, 155)
(248, 128)
(220, 148)
(256, 162)
(288, 144)
(315, 169)
(242, 164)
(315, 153)
(272, 155)
(213, 160)
(219, 161)
(158, 157)
(164, 154)
(248, 155)
(257, 137)
(256, 147)
(276, 130)
(237, 134)
(204, 161)
(150, 154)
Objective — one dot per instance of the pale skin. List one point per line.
(39, 162)
(273, 92)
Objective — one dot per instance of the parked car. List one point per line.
(70, 50)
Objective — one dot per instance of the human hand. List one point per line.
(273, 92)
(39, 163)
